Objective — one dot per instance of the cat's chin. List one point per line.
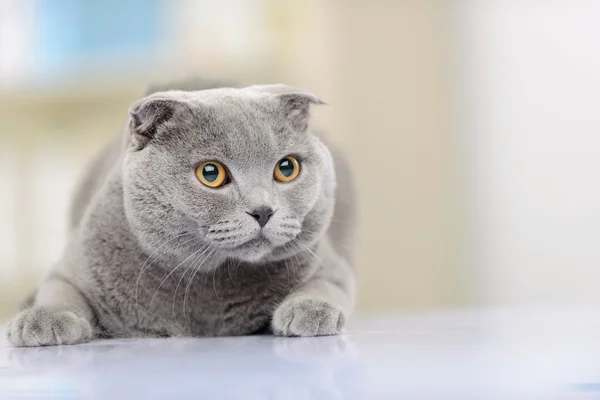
(253, 251)
(260, 248)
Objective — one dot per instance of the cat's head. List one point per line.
(233, 171)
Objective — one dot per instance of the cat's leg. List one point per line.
(321, 305)
(60, 315)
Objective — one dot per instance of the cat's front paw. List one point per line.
(40, 326)
(307, 316)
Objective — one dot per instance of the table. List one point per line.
(483, 354)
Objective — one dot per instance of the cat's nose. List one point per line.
(262, 215)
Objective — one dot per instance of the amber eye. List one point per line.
(287, 169)
(212, 174)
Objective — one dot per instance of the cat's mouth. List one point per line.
(252, 245)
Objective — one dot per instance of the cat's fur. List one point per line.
(154, 252)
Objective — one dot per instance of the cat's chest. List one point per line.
(228, 300)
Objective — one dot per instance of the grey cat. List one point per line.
(216, 212)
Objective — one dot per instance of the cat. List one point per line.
(216, 211)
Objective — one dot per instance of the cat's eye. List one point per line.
(287, 169)
(212, 174)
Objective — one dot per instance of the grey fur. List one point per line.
(153, 252)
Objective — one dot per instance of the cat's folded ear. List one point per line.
(294, 102)
(147, 116)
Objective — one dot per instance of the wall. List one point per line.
(531, 89)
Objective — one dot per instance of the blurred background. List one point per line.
(479, 116)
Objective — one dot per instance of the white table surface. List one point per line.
(464, 354)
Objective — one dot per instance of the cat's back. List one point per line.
(343, 228)
(95, 176)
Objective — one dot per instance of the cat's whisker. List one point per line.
(169, 274)
(184, 274)
(267, 271)
(331, 240)
(238, 265)
(298, 264)
(271, 264)
(287, 268)
(187, 288)
(227, 262)
(311, 252)
(297, 259)
(149, 257)
(214, 273)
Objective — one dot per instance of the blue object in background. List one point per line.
(71, 34)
